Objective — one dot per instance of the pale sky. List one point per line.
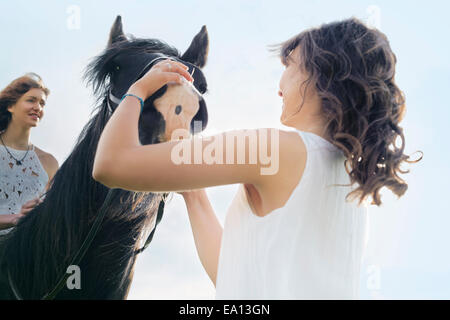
(407, 255)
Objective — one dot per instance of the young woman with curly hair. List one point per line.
(25, 170)
(292, 233)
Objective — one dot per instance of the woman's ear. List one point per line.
(11, 108)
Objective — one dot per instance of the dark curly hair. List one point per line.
(352, 68)
(14, 91)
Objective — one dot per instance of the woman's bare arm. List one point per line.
(206, 229)
(8, 221)
(122, 162)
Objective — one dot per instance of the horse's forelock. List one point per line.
(99, 69)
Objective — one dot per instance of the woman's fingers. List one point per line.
(162, 73)
(180, 70)
(177, 63)
(171, 66)
(172, 77)
(31, 204)
(25, 211)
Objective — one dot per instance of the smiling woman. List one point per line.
(25, 170)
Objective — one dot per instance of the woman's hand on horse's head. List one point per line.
(162, 73)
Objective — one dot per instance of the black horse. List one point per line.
(37, 253)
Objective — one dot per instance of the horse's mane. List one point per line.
(100, 68)
(40, 248)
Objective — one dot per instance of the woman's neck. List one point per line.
(16, 137)
(320, 131)
(316, 127)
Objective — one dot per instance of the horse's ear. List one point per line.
(197, 53)
(116, 34)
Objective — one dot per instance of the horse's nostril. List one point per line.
(177, 109)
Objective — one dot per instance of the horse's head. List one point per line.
(174, 106)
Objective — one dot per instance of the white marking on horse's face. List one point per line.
(178, 106)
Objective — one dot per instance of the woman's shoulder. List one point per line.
(289, 144)
(292, 141)
(48, 161)
(290, 162)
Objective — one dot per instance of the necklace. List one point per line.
(18, 162)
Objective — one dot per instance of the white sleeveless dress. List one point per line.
(311, 248)
(19, 184)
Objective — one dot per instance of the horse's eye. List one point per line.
(177, 109)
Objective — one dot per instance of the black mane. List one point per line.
(37, 252)
(100, 68)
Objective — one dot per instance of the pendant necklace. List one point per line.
(18, 162)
